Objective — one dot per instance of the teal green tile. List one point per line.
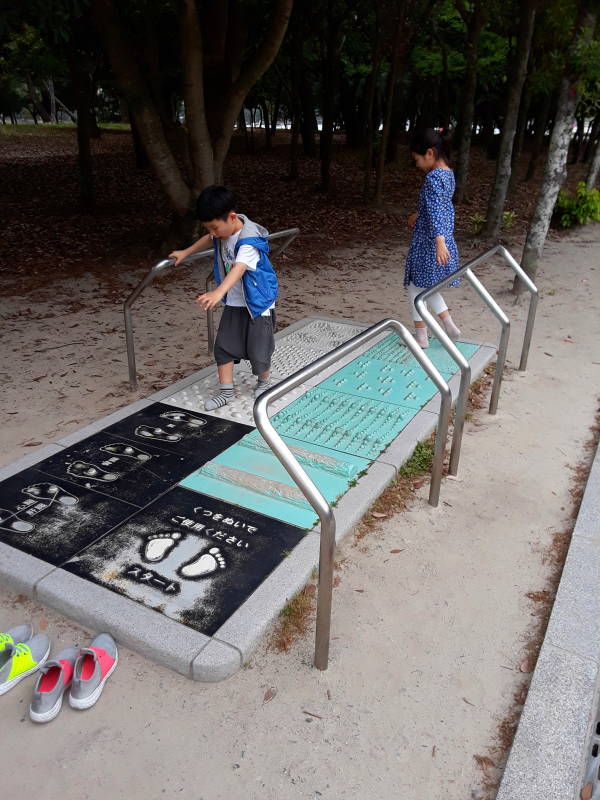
(343, 465)
(212, 483)
(392, 350)
(401, 384)
(249, 475)
(342, 422)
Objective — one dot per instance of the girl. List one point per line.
(433, 253)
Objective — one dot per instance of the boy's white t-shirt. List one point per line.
(247, 255)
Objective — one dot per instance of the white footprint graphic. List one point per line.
(205, 564)
(159, 545)
(11, 522)
(50, 493)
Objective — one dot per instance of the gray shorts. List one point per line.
(239, 336)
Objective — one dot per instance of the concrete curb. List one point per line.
(549, 754)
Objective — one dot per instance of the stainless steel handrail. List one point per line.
(308, 488)
(454, 352)
(167, 263)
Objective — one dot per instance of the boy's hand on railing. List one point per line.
(209, 300)
(179, 256)
(412, 220)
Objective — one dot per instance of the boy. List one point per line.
(246, 283)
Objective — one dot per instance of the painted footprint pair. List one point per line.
(45, 495)
(158, 546)
(162, 435)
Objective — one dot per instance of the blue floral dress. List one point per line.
(435, 217)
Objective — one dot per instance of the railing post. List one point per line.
(308, 488)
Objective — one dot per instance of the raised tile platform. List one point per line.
(179, 531)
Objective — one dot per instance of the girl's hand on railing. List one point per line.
(179, 256)
(411, 221)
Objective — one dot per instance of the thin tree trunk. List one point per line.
(592, 138)
(540, 133)
(267, 124)
(371, 87)
(476, 22)
(554, 172)
(399, 34)
(37, 105)
(333, 43)
(52, 97)
(201, 149)
(592, 175)
(497, 200)
(295, 135)
(82, 91)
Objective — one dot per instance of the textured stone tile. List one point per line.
(240, 409)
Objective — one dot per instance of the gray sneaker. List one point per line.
(94, 666)
(51, 685)
(22, 659)
(15, 635)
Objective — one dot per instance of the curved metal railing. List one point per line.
(308, 488)
(164, 264)
(454, 352)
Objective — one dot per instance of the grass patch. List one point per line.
(419, 462)
(294, 620)
(36, 130)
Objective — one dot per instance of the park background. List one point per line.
(114, 117)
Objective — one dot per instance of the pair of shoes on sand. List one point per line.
(81, 670)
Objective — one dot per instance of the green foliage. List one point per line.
(578, 208)
(478, 222)
(508, 219)
(419, 462)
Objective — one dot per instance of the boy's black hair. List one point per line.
(215, 202)
(430, 138)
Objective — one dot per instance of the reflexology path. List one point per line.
(179, 531)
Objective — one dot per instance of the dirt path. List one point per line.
(426, 642)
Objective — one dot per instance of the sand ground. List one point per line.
(426, 643)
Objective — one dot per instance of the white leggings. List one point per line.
(435, 302)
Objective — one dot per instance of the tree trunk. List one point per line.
(397, 50)
(82, 92)
(592, 175)
(295, 133)
(37, 105)
(52, 97)
(540, 133)
(334, 38)
(475, 21)
(371, 87)
(554, 172)
(267, 124)
(592, 139)
(201, 148)
(497, 200)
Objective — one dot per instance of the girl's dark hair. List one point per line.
(427, 138)
(215, 202)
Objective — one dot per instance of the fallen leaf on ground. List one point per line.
(310, 714)
(359, 590)
(269, 694)
(377, 515)
(396, 551)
